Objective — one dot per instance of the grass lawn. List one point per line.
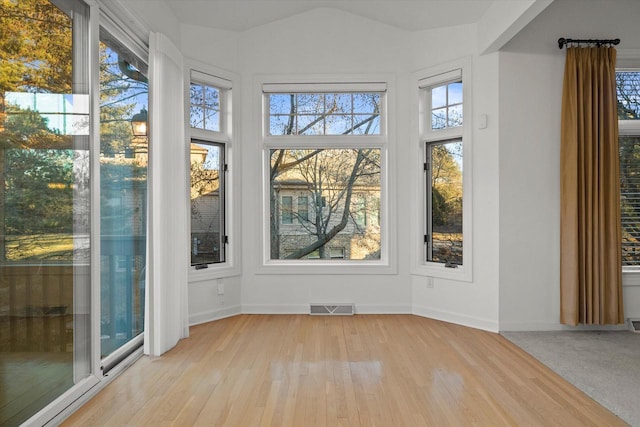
(39, 247)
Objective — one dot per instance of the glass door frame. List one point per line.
(72, 397)
(87, 387)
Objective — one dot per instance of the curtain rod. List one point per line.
(598, 42)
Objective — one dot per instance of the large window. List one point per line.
(326, 151)
(444, 112)
(628, 89)
(210, 135)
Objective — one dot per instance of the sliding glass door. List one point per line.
(44, 204)
(124, 100)
(60, 167)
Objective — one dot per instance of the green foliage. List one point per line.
(446, 185)
(35, 47)
(39, 191)
(28, 129)
(439, 208)
(42, 177)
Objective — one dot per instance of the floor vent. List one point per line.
(332, 309)
(634, 325)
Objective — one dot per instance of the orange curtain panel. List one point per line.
(590, 269)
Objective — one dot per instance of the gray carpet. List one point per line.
(604, 365)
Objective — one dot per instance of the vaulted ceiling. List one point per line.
(241, 15)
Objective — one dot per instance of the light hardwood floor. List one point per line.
(365, 370)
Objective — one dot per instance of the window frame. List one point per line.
(631, 275)
(423, 82)
(428, 168)
(383, 141)
(201, 73)
(222, 194)
(112, 36)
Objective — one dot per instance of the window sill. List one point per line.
(630, 278)
(437, 270)
(214, 271)
(321, 267)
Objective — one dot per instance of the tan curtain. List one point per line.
(590, 268)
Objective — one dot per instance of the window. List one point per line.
(628, 90)
(207, 202)
(325, 150)
(444, 201)
(303, 209)
(336, 253)
(124, 153)
(294, 209)
(360, 211)
(286, 210)
(446, 195)
(204, 109)
(446, 105)
(324, 113)
(210, 136)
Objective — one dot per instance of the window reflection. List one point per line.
(123, 196)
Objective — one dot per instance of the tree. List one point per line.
(36, 56)
(120, 87)
(35, 48)
(446, 188)
(445, 175)
(628, 94)
(207, 202)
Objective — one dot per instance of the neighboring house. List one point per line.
(299, 208)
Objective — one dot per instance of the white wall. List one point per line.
(531, 71)
(211, 295)
(325, 43)
(515, 159)
(156, 15)
(469, 303)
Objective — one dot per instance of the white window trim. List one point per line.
(629, 60)
(386, 142)
(202, 73)
(421, 132)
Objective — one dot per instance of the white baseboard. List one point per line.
(457, 318)
(383, 309)
(275, 308)
(556, 326)
(211, 315)
(304, 308)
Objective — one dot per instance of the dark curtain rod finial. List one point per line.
(598, 42)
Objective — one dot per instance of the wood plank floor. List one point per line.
(365, 370)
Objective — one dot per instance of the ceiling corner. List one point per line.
(504, 19)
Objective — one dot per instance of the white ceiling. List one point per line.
(412, 15)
